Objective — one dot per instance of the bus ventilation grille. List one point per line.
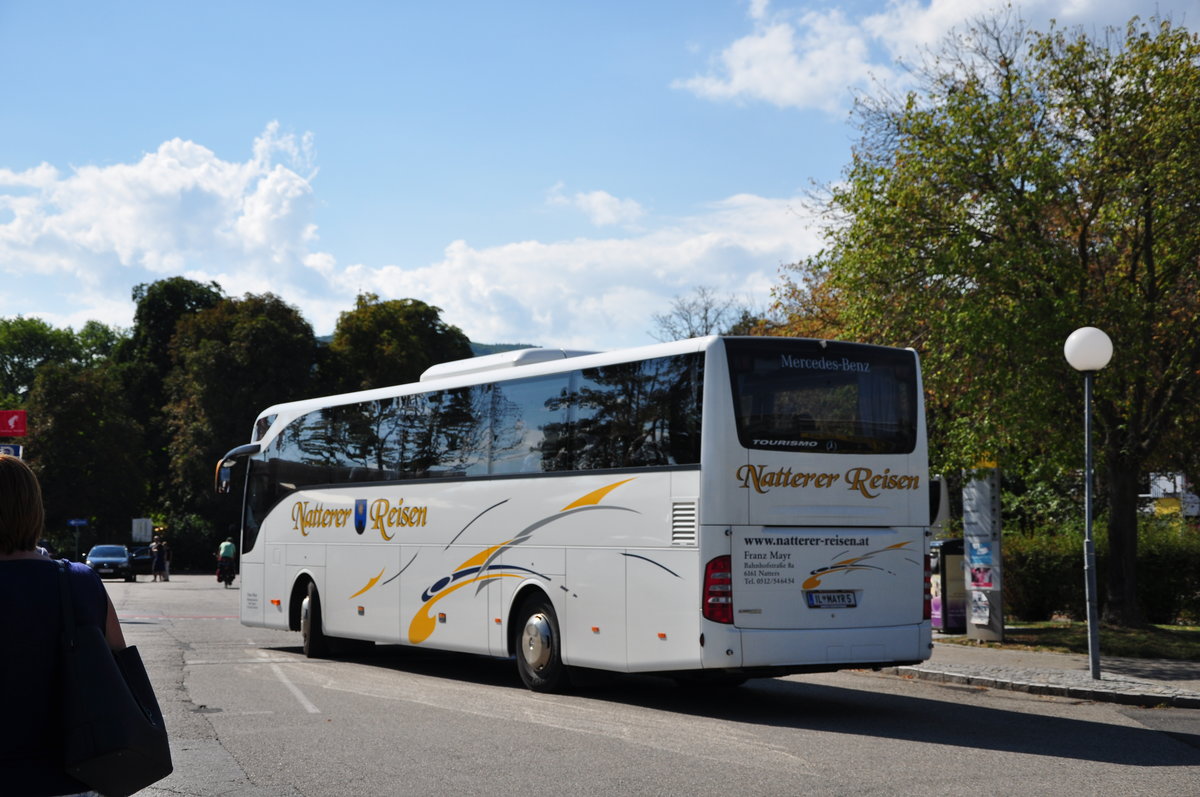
(683, 523)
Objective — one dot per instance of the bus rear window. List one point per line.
(847, 398)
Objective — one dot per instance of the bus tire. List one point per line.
(316, 644)
(539, 647)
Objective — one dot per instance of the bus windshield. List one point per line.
(805, 395)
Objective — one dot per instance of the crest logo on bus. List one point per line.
(360, 515)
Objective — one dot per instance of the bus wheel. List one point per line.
(316, 645)
(539, 647)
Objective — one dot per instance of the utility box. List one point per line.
(948, 587)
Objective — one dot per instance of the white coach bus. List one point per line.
(713, 509)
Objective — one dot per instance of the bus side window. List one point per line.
(529, 418)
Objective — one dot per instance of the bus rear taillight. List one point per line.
(718, 590)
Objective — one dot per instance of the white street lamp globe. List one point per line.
(1088, 349)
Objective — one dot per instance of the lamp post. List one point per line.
(1088, 350)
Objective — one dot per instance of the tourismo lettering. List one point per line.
(307, 516)
(825, 364)
(384, 516)
(762, 480)
(869, 483)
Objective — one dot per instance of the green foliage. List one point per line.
(1043, 574)
(145, 357)
(193, 541)
(160, 306)
(381, 343)
(98, 342)
(1147, 642)
(231, 361)
(1043, 571)
(1169, 571)
(87, 449)
(1041, 500)
(1035, 183)
(25, 345)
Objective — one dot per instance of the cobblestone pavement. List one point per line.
(1138, 682)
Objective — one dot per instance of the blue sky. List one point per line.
(551, 173)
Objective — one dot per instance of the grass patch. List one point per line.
(1177, 643)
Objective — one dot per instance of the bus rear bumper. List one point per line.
(817, 650)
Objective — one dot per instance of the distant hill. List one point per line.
(479, 349)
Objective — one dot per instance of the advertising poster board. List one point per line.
(981, 540)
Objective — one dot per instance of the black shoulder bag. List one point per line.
(114, 737)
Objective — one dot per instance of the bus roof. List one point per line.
(500, 367)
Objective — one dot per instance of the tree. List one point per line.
(1034, 183)
(160, 306)
(98, 342)
(231, 361)
(145, 357)
(86, 447)
(701, 313)
(26, 344)
(381, 343)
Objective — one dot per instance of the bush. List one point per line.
(1043, 572)
(1168, 573)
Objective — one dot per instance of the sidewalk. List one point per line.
(1136, 682)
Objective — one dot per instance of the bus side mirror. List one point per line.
(935, 500)
(224, 477)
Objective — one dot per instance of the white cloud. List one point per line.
(906, 26)
(602, 293)
(815, 59)
(73, 245)
(602, 208)
(793, 58)
(803, 64)
(178, 210)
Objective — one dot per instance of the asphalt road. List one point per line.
(249, 716)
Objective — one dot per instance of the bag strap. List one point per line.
(68, 608)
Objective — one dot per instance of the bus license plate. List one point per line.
(830, 599)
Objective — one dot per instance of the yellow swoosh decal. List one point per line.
(370, 584)
(594, 497)
(423, 623)
(481, 557)
(847, 565)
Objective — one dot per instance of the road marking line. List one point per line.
(304, 701)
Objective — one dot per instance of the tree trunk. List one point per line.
(1121, 606)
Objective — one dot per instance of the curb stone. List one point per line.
(1072, 684)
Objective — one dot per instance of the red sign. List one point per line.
(12, 423)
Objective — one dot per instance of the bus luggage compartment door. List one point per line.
(827, 577)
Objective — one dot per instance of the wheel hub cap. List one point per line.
(536, 641)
